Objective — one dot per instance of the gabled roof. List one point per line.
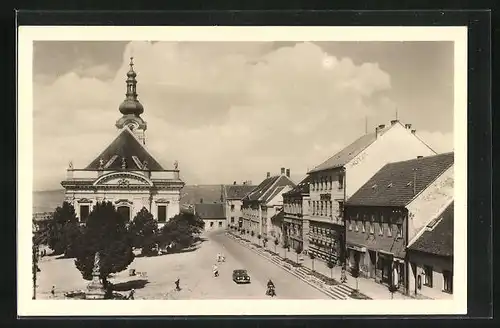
(266, 190)
(396, 184)
(127, 146)
(302, 188)
(437, 237)
(237, 191)
(348, 153)
(210, 211)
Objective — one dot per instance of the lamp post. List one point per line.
(35, 268)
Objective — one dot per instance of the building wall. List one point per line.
(417, 262)
(430, 202)
(396, 144)
(233, 215)
(215, 224)
(134, 199)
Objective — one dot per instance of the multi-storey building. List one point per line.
(232, 196)
(430, 258)
(126, 173)
(390, 210)
(295, 204)
(339, 177)
(264, 202)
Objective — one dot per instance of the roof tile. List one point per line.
(396, 184)
(439, 240)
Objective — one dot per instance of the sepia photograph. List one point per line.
(250, 172)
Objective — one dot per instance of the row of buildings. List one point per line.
(383, 205)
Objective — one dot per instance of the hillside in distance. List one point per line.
(48, 200)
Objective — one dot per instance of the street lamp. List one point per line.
(35, 268)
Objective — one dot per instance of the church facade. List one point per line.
(125, 173)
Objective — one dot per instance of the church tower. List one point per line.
(131, 108)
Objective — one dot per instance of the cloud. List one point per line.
(224, 111)
(439, 141)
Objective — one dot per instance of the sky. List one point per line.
(232, 111)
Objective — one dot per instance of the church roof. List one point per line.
(125, 146)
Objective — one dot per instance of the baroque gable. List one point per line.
(123, 179)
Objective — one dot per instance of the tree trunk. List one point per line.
(357, 283)
(331, 273)
(313, 264)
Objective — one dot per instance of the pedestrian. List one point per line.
(53, 290)
(131, 294)
(215, 270)
(177, 282)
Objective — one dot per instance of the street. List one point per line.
(193, 268)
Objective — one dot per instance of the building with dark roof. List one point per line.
(263, 202)
(341, 175)
(295, 215)
(232, 197)
(125, 172)
(390, 209)
(212, 214)
(430, 257)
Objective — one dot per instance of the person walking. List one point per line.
(131, 294)
(215, 270)
(177, 283)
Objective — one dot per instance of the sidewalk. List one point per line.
(366, 286)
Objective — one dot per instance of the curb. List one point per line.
(328, 292)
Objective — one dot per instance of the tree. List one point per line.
(276, 242)
(181, 230)
(105, 232)
(298, 250)
(63, 229)
(330, 264)
(312, 257)
(355, 274)
(143, 231)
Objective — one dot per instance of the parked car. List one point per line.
(241, 276)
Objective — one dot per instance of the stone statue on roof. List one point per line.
(70, 165)
(176, 165)
(124, 163)
(101, 163)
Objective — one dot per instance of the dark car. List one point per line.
(241, 276)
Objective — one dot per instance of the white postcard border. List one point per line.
(29, 307)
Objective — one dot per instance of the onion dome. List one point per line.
(131, 105)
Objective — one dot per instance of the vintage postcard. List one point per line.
(242, 170)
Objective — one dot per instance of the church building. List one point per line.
(125, 173)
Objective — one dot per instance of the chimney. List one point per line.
(288, 172)
(394, 122)
(413, 131)
(419, 156)
(408, 126)
(381, 126)
(268, 174)
(201, 200)
(234, 182)
(282, 170)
